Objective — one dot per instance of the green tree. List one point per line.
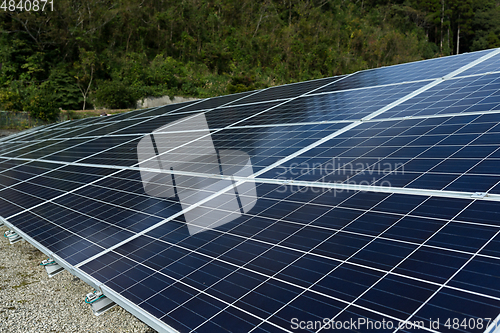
(85, 69)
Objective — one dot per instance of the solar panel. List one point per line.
(360, 202)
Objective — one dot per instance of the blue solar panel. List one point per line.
(363, 199)
(341, 105)
(490, 65)
(288, 91)
(460, 95)
(447, 153)
(295, 256)
(413, 71)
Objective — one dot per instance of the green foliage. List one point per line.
(42, 106)
(10, 100)
(114, 95)
(116, 52)
(240, 84)
(486, 25)
(63, 89)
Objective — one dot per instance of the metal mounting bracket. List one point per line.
(12, 236)
(99, 303)
(52, 267)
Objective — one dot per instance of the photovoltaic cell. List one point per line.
(215, 119)
(172, 108)
(70, 152)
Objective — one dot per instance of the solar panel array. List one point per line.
(340, 203)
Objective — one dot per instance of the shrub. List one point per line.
(42, 106)
(114, 95)
(10, 100)
(64, 90)
(240, 84)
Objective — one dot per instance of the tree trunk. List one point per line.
(449, 50)
(442, 20)
(458, 38)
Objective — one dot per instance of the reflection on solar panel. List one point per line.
(359, 203)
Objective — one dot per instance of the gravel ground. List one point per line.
(30, 301)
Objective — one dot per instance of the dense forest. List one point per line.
(110, 53)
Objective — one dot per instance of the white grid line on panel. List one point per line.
(416, 157)
(448, 91)
(153, 108)
(338, 78)
(472, 64)
(259, 102)
(477, 74)
(479, 135)
(429, 60)
(338, 186)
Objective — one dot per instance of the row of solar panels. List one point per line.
(242, 212)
